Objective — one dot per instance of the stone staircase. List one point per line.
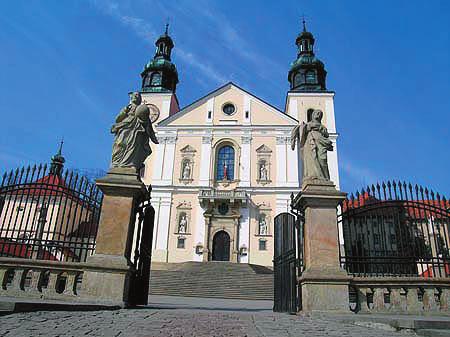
(212, 279)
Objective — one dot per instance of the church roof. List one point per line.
(214, 93)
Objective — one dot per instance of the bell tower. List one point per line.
(307, 72)
(160, 74)
(160, 79)
(308, 91)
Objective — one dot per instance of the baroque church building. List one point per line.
(224, 167)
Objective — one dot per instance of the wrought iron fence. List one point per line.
(395, 229)
(48, 214)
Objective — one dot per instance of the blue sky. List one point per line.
(67, 66)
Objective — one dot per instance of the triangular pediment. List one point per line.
(262, 113)
(188, 149)
(263, 149)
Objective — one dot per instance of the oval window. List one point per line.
(228, 109)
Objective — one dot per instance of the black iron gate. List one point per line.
(143, 238)
(395, 229)
(285, 264)
(48, 213)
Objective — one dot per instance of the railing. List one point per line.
(396, 247)
(395, 229)
(48, 214)
(40, 279)
(409, 295)
(215, 194)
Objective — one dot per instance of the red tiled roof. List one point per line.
(419, 209)
(14, 249)
(49, 185)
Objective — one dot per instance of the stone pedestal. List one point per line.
(323, 284)
(107, 279)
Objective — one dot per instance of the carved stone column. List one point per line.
(323, 283)
(108, 276)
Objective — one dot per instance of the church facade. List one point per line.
(224, 167)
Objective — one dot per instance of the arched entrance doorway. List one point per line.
(221, 246)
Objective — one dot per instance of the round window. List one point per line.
(228, 109)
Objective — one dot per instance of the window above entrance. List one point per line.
(225, 163)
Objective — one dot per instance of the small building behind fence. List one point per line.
(48, 213)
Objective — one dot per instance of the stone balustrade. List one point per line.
(40, 279)
(408, 295)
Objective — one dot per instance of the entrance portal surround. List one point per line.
(214, 224)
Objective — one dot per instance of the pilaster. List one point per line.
(244, 233)
(169, 160)
(205, 160)
(281, 158)
(245, 161)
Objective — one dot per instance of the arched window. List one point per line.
(225, 163)
(147, 80)
(156, 79)
(298, 79)
(311, 76)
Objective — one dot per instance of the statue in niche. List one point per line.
(186, 170)
(182, 226)
(314, 143)
(263, 228)
(263, 175)
(132, 132)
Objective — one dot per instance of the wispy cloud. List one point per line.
(357, 175)
(231, 39)
(146, 31)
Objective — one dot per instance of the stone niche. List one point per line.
(264, 163)
(187, 164)
(183, 219)
(263, 220)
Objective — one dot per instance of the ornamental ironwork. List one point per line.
(48, 214)
(395, 229)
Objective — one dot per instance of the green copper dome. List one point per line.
(160, 74)
(307, 72)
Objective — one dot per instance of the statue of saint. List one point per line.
(187, 170)
(263, 229)
(314, 143)
(182, 226)
(263, 172)
(132, 130)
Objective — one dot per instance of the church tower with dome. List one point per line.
(224, 167)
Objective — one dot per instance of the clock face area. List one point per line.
(154, 112)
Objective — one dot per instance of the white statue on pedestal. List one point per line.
(263, 172)
(263, 228)
(187, 170)
(182, 226)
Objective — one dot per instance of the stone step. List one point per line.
(433, 333)
(212, 279)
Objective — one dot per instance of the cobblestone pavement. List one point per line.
(180, 323)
